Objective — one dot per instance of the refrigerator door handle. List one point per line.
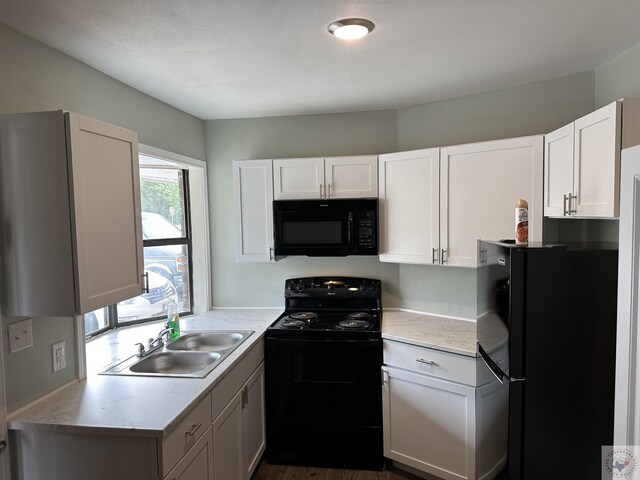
(495, 368)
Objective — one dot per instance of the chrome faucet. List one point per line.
(154, 344)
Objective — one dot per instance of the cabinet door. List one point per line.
(197, 464)
(254, 420)
(558, 171)
(228, 454)
(106, 219)
(479, 186)
(351, 177)
(597, 163)
(298, 178)
(429, 424)
(408, 206)
(253, 197)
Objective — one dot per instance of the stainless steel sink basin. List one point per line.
(208, 341)
(175, 363)
(194, 354)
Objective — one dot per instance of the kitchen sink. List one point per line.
(176, 363)
(194, 354)
(208, 341)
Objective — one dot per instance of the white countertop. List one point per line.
(153, 406)
(432, 331)
(145, 406)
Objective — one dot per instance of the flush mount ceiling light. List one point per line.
(351, 28)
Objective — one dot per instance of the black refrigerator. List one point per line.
(554, 308)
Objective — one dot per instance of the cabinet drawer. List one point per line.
(448, 366)
(186, 434)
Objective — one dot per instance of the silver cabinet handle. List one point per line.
(573, 211)
(194, 429)
(427, 362)
(385, 377)
(433, 255)
(3, 446)
(565, 210)
(270, 254)
(329, 196)
(321, 188)
(443, 259)
(244, 399)
(145, 282)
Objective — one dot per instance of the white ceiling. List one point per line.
(254, 58)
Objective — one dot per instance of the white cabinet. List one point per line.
(436, 203)
(438, 417)
(479, 186)
(228, 455)
(324, 178)
(239, 431)
(582, 162)
(70, 194)
(409, 206)
(197, 464)
(253, 201)
(253, 419)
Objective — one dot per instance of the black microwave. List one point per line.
(326, 228)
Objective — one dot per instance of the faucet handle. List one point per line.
(141, 349)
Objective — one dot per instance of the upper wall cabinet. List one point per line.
(331, 177)
(582, 162)
(408, 206)
(253, 197)
(436, 203)
(479, 186)
(71, 223)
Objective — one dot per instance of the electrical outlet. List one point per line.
(20, 335)
(59, 356)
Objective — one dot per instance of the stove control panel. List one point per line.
(345, 287)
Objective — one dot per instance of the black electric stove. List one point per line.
(330, 307)
(323, 357)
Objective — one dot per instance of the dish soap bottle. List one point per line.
(173, 320)
(522, 222)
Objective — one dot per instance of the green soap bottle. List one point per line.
(173, 320)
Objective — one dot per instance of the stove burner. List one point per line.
(359, 316)
(354, 324)
(303, 316)
(294, 323)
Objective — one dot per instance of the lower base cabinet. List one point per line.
(197, 464)
(437, 420)
(239, 432)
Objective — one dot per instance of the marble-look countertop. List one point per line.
(143, 406)
(153, 406)
(432, 331)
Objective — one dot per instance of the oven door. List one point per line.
(329, 382)
(313, 227)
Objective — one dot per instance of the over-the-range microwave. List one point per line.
(326, 228)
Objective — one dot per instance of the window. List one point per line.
(166, 232)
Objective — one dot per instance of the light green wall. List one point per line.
(526, 110)
(36, 77)
(281, 137)
(619, 77)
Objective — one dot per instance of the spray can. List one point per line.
(522, 222)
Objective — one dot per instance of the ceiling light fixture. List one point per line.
(351, 28)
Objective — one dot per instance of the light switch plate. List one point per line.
(20, 335)
(59, 356)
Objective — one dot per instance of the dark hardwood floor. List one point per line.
(266, 471)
